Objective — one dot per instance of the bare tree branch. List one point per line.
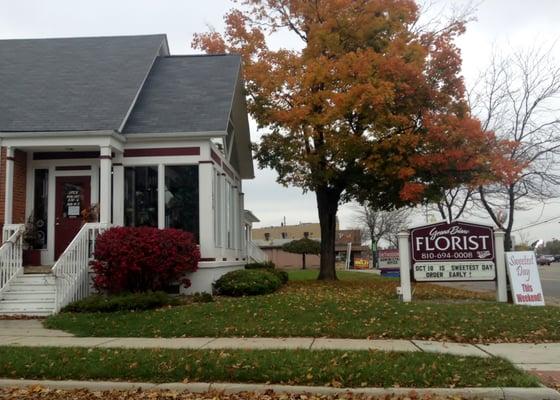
(378, 225)
(520, 101)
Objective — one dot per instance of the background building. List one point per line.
(271, 239)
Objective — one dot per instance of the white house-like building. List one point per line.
(149, 138)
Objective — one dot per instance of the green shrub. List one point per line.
(247, 282)
(282, 275)
(121, 302)
(202, 297)
(261, 265)
(270, 267)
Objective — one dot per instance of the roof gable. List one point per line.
(186, 94)
(73, 84)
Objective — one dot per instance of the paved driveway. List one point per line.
(550, 280)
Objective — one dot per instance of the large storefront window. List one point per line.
(141, 196)
(40, 207)
(181, 198)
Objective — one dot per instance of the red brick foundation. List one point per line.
(20, 185)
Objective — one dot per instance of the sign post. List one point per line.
(501, 278)
(348, 255)
(404, 255)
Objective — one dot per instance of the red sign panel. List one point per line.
(452, 252)
(450, 242)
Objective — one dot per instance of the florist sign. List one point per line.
(457, 251)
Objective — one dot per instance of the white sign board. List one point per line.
(454, 271)
(389, 259)
(524, 278)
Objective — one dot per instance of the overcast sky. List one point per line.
(502, 24)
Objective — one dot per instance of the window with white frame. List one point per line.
(228, 215)
(181, 198)
(40, 208)
(179, 205)
(141, 196)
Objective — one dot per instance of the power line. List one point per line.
(536, 224)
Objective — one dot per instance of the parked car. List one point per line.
(557, 258)
(545, 260)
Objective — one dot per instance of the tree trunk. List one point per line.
(327, 205)
(303, 261)
(508, 243)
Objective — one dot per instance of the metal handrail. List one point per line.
(255, 253)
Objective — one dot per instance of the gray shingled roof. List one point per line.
(186, 94)
(73, 84)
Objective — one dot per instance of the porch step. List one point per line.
(34, 279)
(29, 294)
(43, 269)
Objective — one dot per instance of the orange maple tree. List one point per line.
(364, 106)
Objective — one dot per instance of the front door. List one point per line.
(72, 197)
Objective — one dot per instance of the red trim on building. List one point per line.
(215, 157)
(105, 157)
(74, 168)
(206, 162)
(65, 155)
(228, 171)
(166, 151)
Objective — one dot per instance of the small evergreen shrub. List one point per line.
(247, 282)
(261, 265)
(121, 302)
(270, 267)
(202, 297)
(141, 259)
(282, 275)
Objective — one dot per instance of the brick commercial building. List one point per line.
(271, 239)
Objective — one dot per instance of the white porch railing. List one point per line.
(255, 253)
(71, 271)
(11, 254)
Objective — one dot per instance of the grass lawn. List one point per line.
(360, 305)
(304, 367)
(352, 276)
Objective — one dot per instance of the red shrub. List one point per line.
(143, 259)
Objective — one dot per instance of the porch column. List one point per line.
(206, 211)
(118, 190)
(105, 185)
(241, 220)
(9, 193)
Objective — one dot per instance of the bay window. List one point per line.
(162, 196)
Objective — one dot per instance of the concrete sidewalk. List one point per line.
(531, 357)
